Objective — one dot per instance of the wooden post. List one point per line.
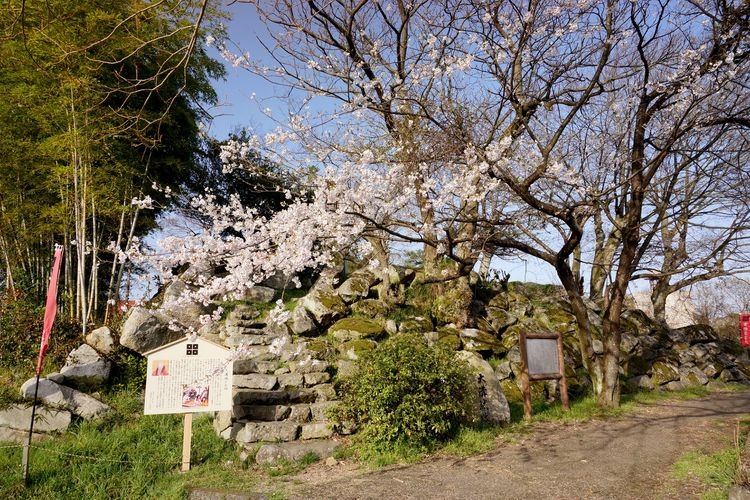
(525, 385)
(187, 436)
(563, 380)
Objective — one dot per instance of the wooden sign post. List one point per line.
(187, 438)
(542, 359)
(188, 376)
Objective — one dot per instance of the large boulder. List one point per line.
(84, 367)
(46, 420)
(663, 372)
(357, 286)
(145, 329)
(56, 395)
(492, 406)
(102, 340)
(259, 293)
(324, 306)
(370, 308)
(480, 341)
(301, 323)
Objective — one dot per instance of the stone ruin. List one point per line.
(286, 381)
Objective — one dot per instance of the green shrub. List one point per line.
(407, 392)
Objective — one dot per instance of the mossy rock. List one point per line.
(370, 308)
(536, 290)
(324, 306)
(514, 394)
(480, 341)
(320, 348)
(417, 324)
(663, 372)
(452, 304)
(499, 319)
(356, 328)
(450, 337)
(353, 349)
(511, 390)
(559, 318)
(357, 285)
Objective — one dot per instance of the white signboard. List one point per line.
(188, 376)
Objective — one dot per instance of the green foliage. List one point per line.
(407, 393)
(129, 370)
(100, 102)
(21, 330)
(126, 455)
(716, 471)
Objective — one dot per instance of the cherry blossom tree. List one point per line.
(473, 127)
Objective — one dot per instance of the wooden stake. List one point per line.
(525, 383)
(563, 379)
(187, 437)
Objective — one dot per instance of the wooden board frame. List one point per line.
(527, 378)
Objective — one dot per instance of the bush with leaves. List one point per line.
(406, 392)
(21, 323)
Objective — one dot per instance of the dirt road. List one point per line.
(628, 458)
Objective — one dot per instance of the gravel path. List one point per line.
(624, 458)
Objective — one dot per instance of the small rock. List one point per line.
(330, 462)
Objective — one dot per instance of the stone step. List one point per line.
(231, 331)
(272, 432)
(270, 453)
(264, 413)
(261, 397)
(266, 364)
(255, 381)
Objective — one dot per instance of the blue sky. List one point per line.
(242, 95)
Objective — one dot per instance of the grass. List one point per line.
(717, 471)
(129, 455)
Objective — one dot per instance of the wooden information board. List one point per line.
(542, 359)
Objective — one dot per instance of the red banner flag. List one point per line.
(50, 308)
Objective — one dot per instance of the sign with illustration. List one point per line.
(188, 376)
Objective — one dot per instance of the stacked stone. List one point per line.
(281, 391)
(62, 396)
(675, 359)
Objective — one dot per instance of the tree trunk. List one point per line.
(659, 294)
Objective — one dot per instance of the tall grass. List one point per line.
(126, 455)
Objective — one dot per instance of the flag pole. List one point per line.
(27, 445)
(50, 309)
